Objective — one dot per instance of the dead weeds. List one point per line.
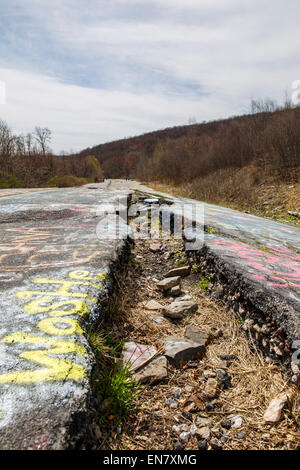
(254, 382)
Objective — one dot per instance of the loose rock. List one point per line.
(182, 271)
(178, 446)
(203, 433)
(185, 297)
(187, 415)
(185, 436)
(168, 283)
(178, 351)
(224, 379)
(180, 309)
(226, 423)
(236, 421)
(195, 334)
(209, 374)
(135, 354)
(175, 291)
(153, 372)
(211, 387)
(153, 305)
(155, 247)
(215, 444)
(202, 422)
(202, 444)
(241, 435)
(274, 410)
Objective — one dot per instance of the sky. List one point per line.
(94, 71)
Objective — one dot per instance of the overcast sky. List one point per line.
(98, 70)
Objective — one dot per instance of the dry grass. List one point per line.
(254, 382)
(244, 190)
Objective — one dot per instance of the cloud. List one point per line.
(102, 70)
(80, 117)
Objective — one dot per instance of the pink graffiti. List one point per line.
(279, 267)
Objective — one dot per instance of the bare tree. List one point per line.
(43, 136)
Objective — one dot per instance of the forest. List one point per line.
(27, 161)
(266, 142)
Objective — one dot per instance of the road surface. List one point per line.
(55, 282)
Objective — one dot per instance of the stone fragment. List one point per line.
(168, 283)
(135, 354)
(195, 334)
(209, 407)
(295, 368)
(181, 271)
(178, 446)
(202, 444)
(175, 291)
(180, 428)
(187, 415)
(226, 423)
(153, 305)
(185, 297)
(203, 433)
(274, 410)
(241, 435)
(178, 351)
(202, 422)
(211, 387)
(155, 247)
(216, 431)
(180, 309)
(224, 379)
(219, 292)
(296, 379)
(236, 421)
(209, 374)
(189, 389)
(185, 436)
(153, 372)
(175, 392)
(215, 444)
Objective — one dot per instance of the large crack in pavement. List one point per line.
(209, 388)
(216, 388)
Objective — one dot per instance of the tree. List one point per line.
(92, 167)
(43, 136)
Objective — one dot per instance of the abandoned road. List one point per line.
(57, 265)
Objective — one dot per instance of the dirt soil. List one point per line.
(162, 408)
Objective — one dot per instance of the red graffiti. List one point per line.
(279, 267)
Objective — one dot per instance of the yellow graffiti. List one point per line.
(78, 307)
(63, 291)
(48, 326)
(81, 278)
(57, 369)
(85, 275)
(57, 324)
